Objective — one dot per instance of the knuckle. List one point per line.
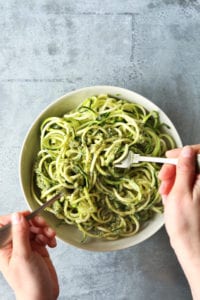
(185, 166)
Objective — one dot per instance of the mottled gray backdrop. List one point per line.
(48, 48)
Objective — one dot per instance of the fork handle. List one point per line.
(164, 160)
(6, 232)
(161, 160)
(43, 206)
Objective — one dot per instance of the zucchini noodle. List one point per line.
(78, 152)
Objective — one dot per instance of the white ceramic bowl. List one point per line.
(67, 233)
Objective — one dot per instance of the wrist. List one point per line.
(191, 268)
(22, 296)
(189, 259)
(193, 276)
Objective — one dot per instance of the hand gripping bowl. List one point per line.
(68, 233)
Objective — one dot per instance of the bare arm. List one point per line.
(180, 190)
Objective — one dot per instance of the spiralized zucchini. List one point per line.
(78, 152)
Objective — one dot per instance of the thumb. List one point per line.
(20, 236)
(185, 171)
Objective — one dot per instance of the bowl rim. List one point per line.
(113, 90)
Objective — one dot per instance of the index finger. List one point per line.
(185, 171)
(176, 152)
(7, 218)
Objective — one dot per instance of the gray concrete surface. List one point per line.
(48, 48)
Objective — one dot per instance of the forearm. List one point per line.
(191, 269)
(22, 296)
(193, 279)
(35, 294)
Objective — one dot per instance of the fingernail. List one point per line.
(39, 219)
(167, 152)
(162, 187)
(16, 218)
(164, 198)
(186, 152)
(53, 243)
(49, 231)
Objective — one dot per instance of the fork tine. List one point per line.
(126, 162)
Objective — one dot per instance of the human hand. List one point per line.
(25, 262)
(180, 190)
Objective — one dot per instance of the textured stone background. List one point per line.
(48, 48)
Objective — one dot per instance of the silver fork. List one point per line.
(6, 230)
(132, 158)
